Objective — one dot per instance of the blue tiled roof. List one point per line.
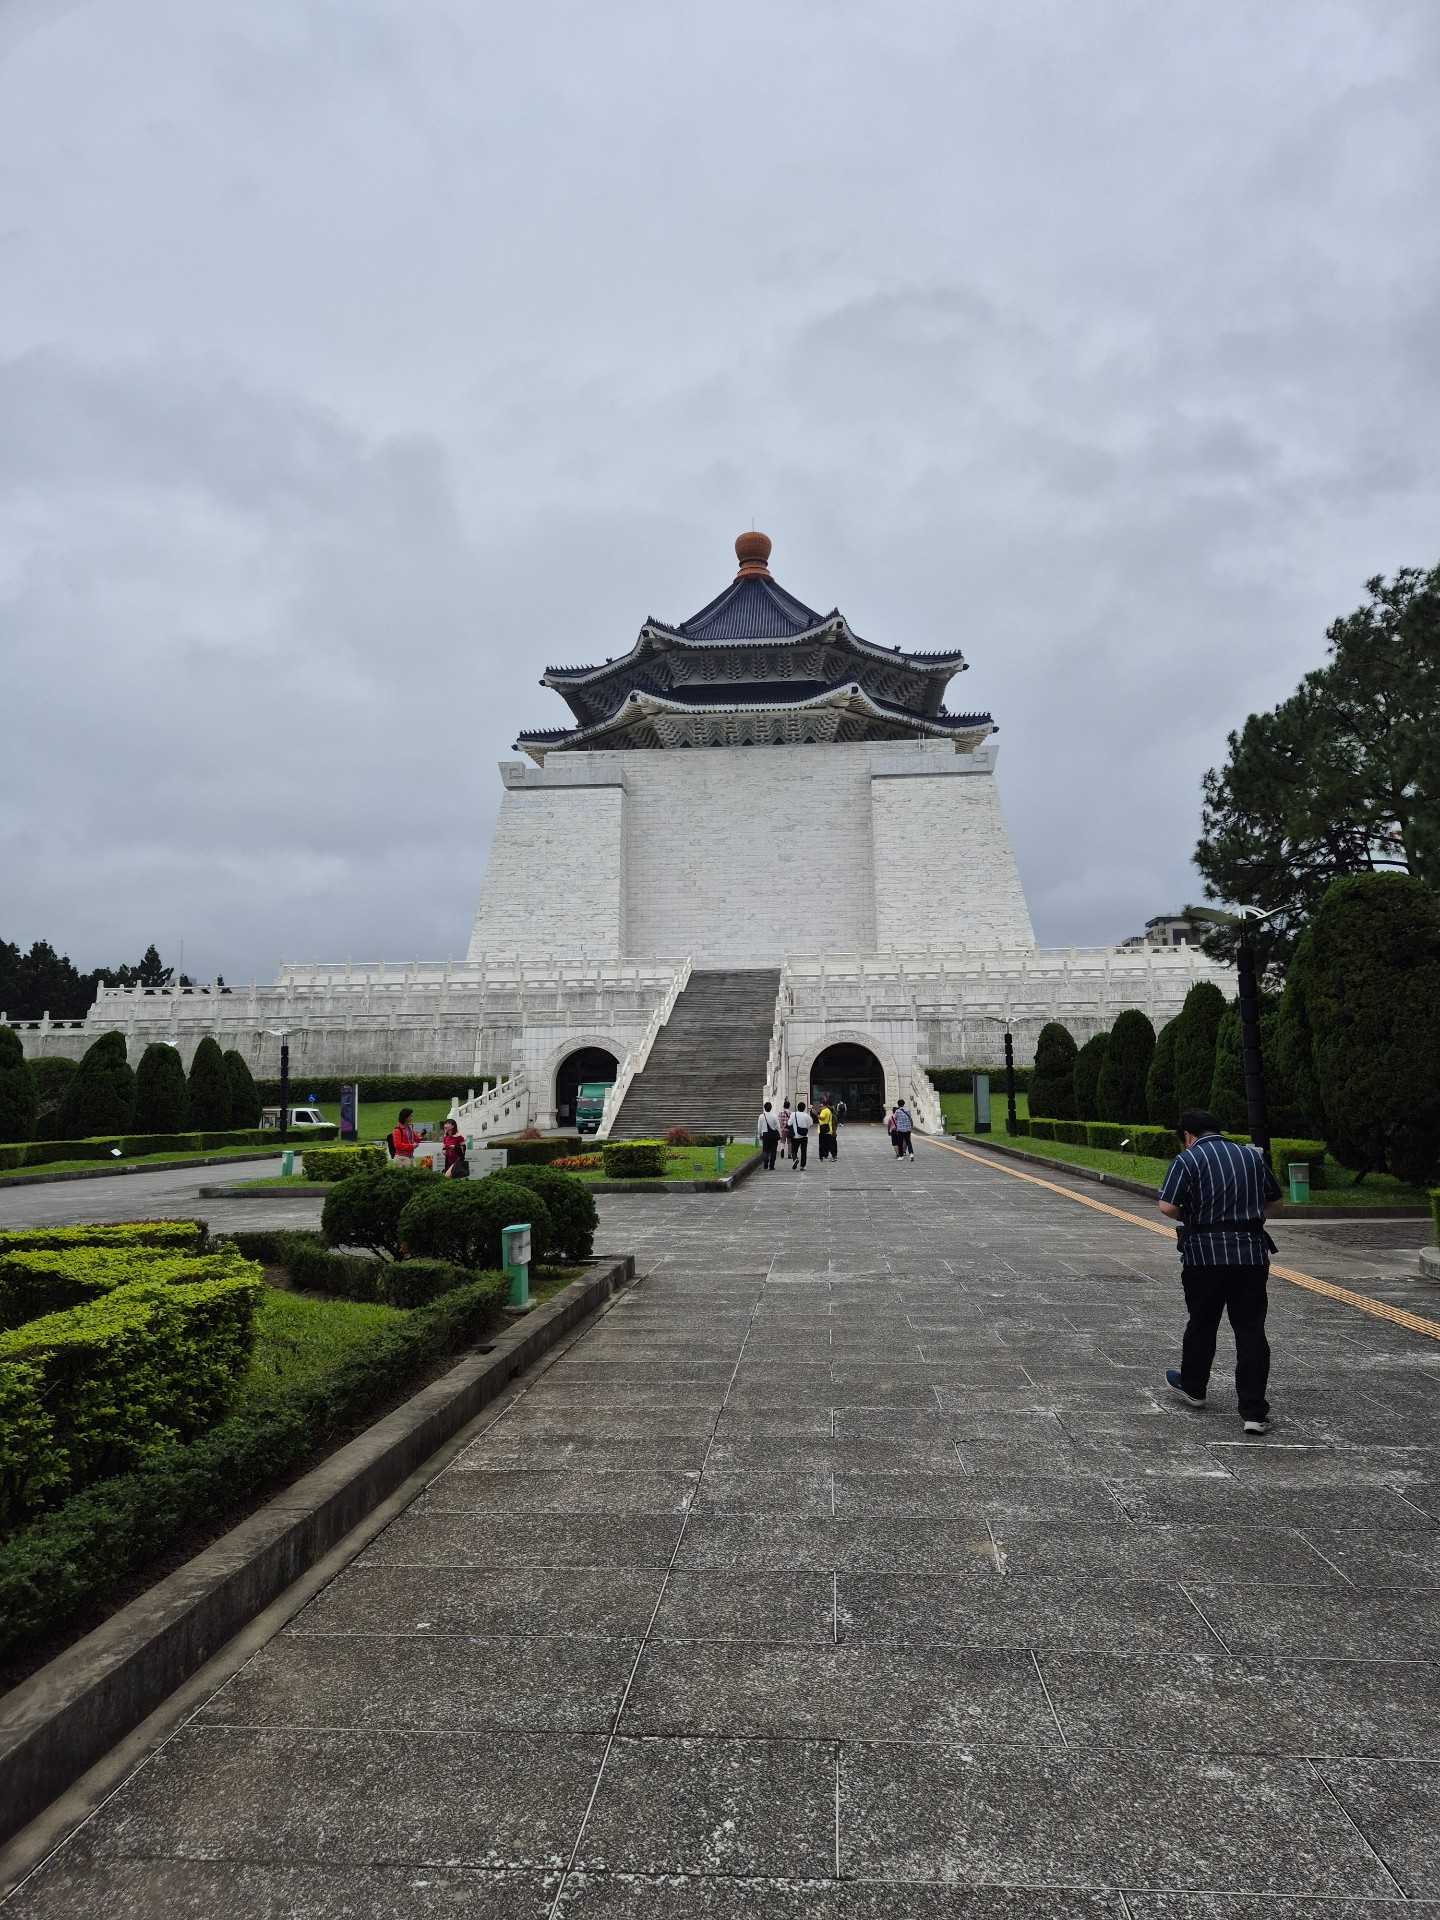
(752, 608)
(767, 693)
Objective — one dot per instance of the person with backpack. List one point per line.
(904, 1127)
(767, 1135)
(404, 1138)
(784, 1118)
(890, 1129)
(800, 1137)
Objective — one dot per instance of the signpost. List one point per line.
(350, 1112)
(981, 1084)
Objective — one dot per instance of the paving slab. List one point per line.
(856, 1565)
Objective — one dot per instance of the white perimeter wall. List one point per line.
(737, 856)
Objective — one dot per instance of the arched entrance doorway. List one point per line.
(576, 1070)
(850, 1073)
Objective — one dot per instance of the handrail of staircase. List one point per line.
(775, 1058)
(634, 1061)
(503, 1108)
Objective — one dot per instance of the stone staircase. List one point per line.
(706, 1070)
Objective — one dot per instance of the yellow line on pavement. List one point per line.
(1378, 1309)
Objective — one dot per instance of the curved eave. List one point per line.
(847, 694)
(656, 637)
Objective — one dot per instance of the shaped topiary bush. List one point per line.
(1198, 1024)
(17, 1089)
(573, 1213)
(1161, 1107)
(365, 1210)
(416, 1283)
(162, 1099)
(209, 1088)
(1086, 1077)
(339, 1163)
(460, 1221)
(1127, 1064)
(100, 1096)
(634, 1159)
(244, 1094)
(1052, 1082)
(1226, 1098)
(51, 1075)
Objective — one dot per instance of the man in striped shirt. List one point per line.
(1219, 1191)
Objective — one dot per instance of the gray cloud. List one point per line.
(358, 361)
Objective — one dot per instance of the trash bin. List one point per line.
(287, 1162)
(1299, 1171)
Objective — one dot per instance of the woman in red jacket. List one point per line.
(403, 1137)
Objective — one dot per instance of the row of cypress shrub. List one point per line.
(104, 1095)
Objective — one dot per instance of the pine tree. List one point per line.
(100, 1097)
(1161, 1107)
(244, 1094)
(17, 1090)
(1371, 992)
(209, 1089)
(1226, 1098)
(1086, 1077)
(1127, 1062)
(162, 1099)
(1195, 1044)
(1052, 1079)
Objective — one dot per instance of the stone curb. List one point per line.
(150, 1166)
(1430, 1263)
(1282, 1212)
(312, 1190)
(60, 1721)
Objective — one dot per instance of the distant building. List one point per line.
(1167, 930)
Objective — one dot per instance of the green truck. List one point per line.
(590, 1105)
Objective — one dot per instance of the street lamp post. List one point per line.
(1252, 1059)
(994, 1019)
(282, 1034)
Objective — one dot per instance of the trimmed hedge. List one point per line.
(316, 1268)
(245, 1101)
(181, 1236)
(1085, 1077)
(1041, 1129)
(1162, 1109)
(962, 1079)
(72, 1559)
(461, 1221)
(39, 1153)
(1107, 1135)
(338, 1163)
(1126, 1066)
(418, 1283)
(633, 1159)
(1052, 1084)
(1155, 1143)
(1072, 1131)
(536, 1153)
(209, 1085)
(376, 1090)
(51, 1073)
(35, 1282)
(107, 1385)
(1282, 1152)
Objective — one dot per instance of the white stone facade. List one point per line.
(738, 856)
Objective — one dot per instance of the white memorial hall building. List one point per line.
(764, 858)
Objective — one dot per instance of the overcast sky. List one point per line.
(359, 359)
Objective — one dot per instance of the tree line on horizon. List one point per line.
(43, 981)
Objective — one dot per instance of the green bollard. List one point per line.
(515, 1254)
(287, 1162)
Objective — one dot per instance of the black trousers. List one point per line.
(771, 1144)
(1240, 1292)
(799, 1147)
(825, 1140)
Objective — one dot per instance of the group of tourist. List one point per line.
(786, 1130)
(405, 1137)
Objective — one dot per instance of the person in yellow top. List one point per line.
(825, 1126)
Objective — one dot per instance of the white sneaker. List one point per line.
(1257, 1426)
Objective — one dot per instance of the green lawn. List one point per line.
(377, 1117)
(299, 1336)
(1376, 1190)
(139, 1160)
(959, 1110)
(692, 1163)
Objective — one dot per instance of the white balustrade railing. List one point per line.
(503, 1108)
(634, 1061)
(924, 1102)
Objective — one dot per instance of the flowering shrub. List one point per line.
(579, 1162)
(679, 1137)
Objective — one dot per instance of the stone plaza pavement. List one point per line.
(856, 1563)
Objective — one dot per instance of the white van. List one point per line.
(302, 1119)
